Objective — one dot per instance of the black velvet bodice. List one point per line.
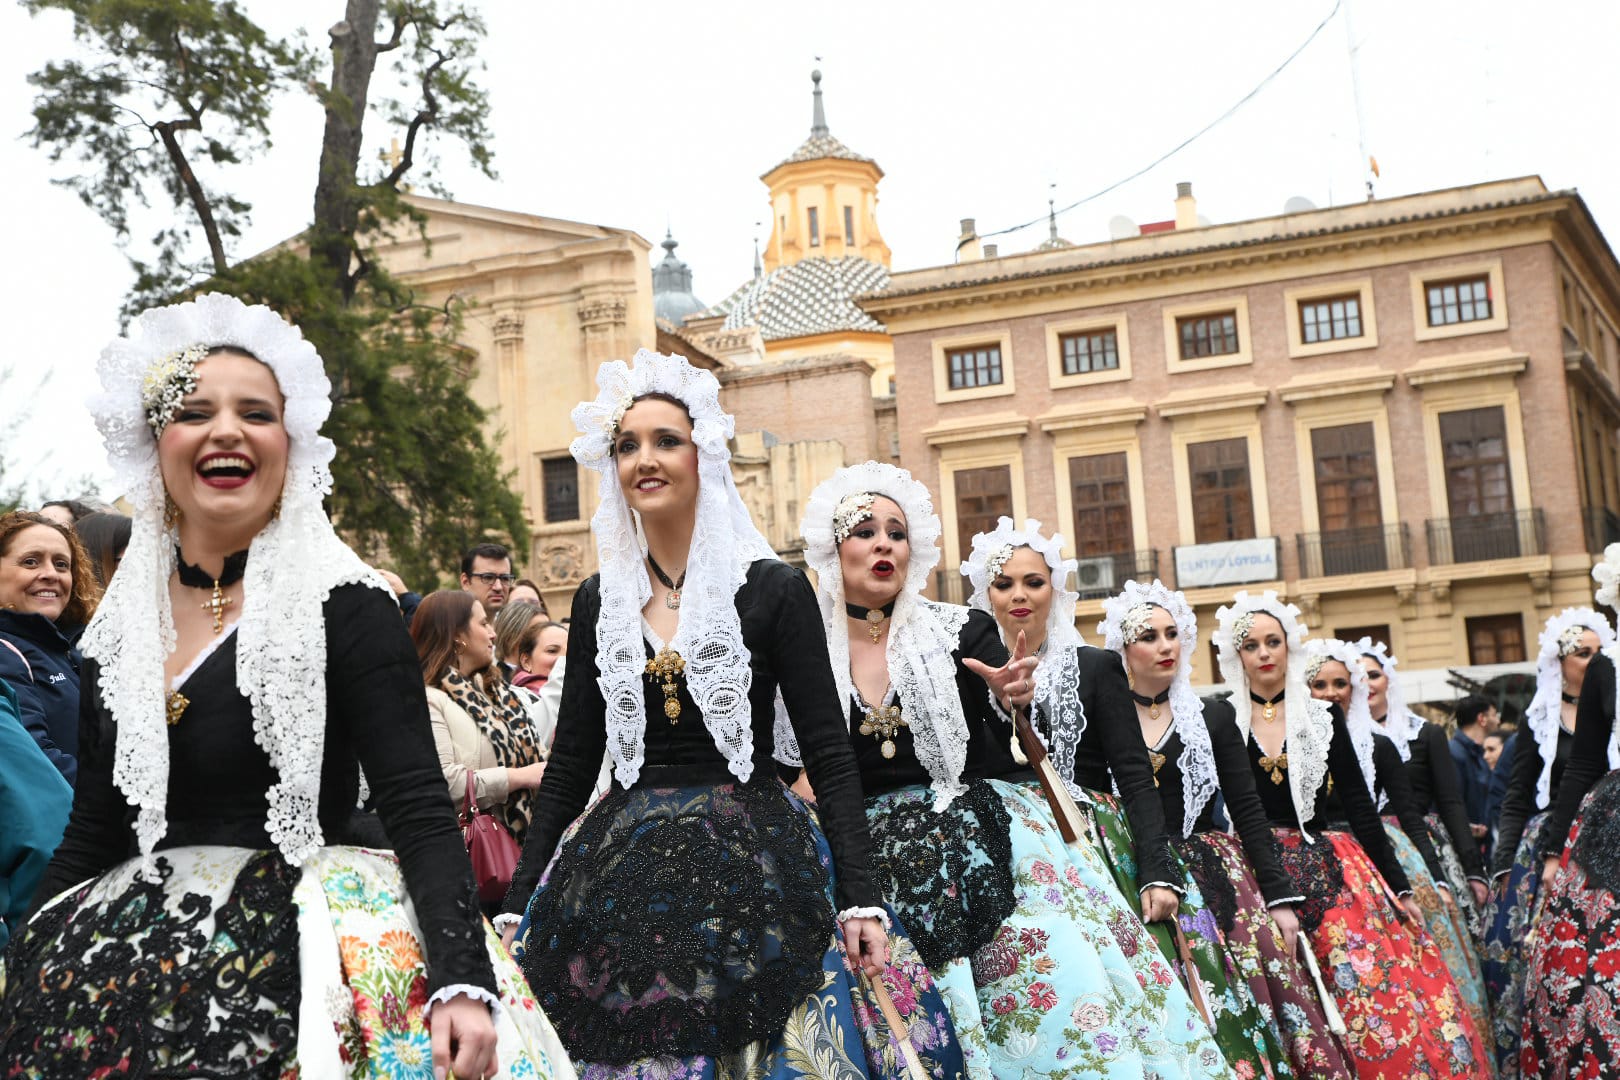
(1519, 804)
(1588, 758)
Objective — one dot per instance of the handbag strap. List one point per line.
(470, 809)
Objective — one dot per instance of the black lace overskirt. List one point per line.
(1597, 846)
(1208, 869)
(680, 921)
(158, 981)
(949, 875)
(1315, 871)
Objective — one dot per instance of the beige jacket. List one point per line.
(462, 747)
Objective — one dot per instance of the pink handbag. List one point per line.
(490, 847)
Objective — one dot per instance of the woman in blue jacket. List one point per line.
(34, 804)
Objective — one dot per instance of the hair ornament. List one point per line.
(852, 510)
(166, 384)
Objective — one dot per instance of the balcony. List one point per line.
(1483, 537)
(1602, 528)
(1354, 551)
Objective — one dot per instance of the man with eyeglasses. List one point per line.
(486, 572)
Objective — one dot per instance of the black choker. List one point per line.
(1270, 710)
(875, 617)
(1570, 699)
(194, 578)
(673, 600)
(1152, 703)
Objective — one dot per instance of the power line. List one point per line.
(1189, 140)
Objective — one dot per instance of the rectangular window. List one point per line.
(1208, 335)
(561, 480)
(1102, 505)
(1330, 318)
(849, 226)
(982, 496)
(1474, 446)
(815, 228)
(1460, 301)
(1092, 350)
(1378, 632)
(1223, 502)
(1346, 478)
(1495, 639)
(975, 365)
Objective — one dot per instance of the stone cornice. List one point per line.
(977, 429)
(1460, 366)
(788, 371)
(1092, 414)
(1325, 384)
(1205, 400)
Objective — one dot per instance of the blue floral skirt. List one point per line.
(1069, 984)
(687, 933)
(1509, 919)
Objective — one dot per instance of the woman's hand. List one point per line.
(867, 945)
(1410, 905)
(1159, 904)
(1549, 870)
(1287, 925)
(1482, 893)
(1013, 683)
(525, 777)
(509, 937)
(801, 787)
(463, 1039)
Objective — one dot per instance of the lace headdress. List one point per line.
(922, 633)
(1357, 715)
(1400, 723)
(1125, 616)
(1309, 730)
(1057, 676)
(725, 542)
(293, 565)
(1560, 637)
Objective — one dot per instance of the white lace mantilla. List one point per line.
(1357, 718)
(1199, 778)
(1308, 723)
(922, 633)
(293, 565)
(1546, 708)
(1399, 723)
(725, 542)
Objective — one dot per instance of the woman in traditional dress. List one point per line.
(1570, 1026)
(1196, 751)
(1334, 673)
(685, 925)
(1402, 1009)
(243, 667)
(1046, 968)
(1568, 642)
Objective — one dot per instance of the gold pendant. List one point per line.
(1153, 714)
(216, 605)
(882, 722)
(1158, 760)
(874, 625)
(174, 706)
(673, 600)
(1270, 710)
(666, 667)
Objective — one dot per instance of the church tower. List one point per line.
(823, 199)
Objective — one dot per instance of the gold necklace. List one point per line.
(667, 666)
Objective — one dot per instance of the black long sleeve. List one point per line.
(1393, 782)
(1243, 804)
(1359, 809)
(1519, 803)
(1588, 755)
(1434, 784)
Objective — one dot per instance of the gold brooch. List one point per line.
(1275, 765)
(174, 706)
(666, 667)
(882, 722)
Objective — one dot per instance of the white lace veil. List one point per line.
(1357, 717)
(1400, 723)
(1057, 676)
(1309, 730)
(293, 565)
(1607, 574)
(1543, 715)
(1120, 627)
(725, 542)
(922, 633)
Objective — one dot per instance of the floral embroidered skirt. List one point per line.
(1249, 1039)
(688, 933)
(1461, 893)
(1509, 921)
(1069, 984)
(1276, 979)
(1444, 923)
(1399, 1001)
(237, 964)
(1572, 993)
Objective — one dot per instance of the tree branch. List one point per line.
(424, 116)
(401, 21)
(199, 199)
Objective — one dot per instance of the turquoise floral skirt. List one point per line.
(1068, 984)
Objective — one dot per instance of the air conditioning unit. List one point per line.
(1095, 574)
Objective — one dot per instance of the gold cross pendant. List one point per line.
(216, 605)
(666, 667)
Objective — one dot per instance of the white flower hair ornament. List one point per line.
(294, 563)
(1309, 730)
(1126, 615)
(725, 542)
(922, 633)
(1559, 637)
(1607, 574)
(1399, 723)
(1057, 675)
(1357, 716)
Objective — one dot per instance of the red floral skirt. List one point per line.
(1399, 1001)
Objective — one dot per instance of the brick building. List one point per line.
(1400, 414)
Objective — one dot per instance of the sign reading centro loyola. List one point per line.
(1230, 562)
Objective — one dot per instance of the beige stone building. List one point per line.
(1400, 414)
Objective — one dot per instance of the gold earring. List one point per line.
(1130, 679)
(275, 509)
(171, 512)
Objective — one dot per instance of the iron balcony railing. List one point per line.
(1506, 535)
(1355, 551)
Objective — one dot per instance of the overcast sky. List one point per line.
(642, 115)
